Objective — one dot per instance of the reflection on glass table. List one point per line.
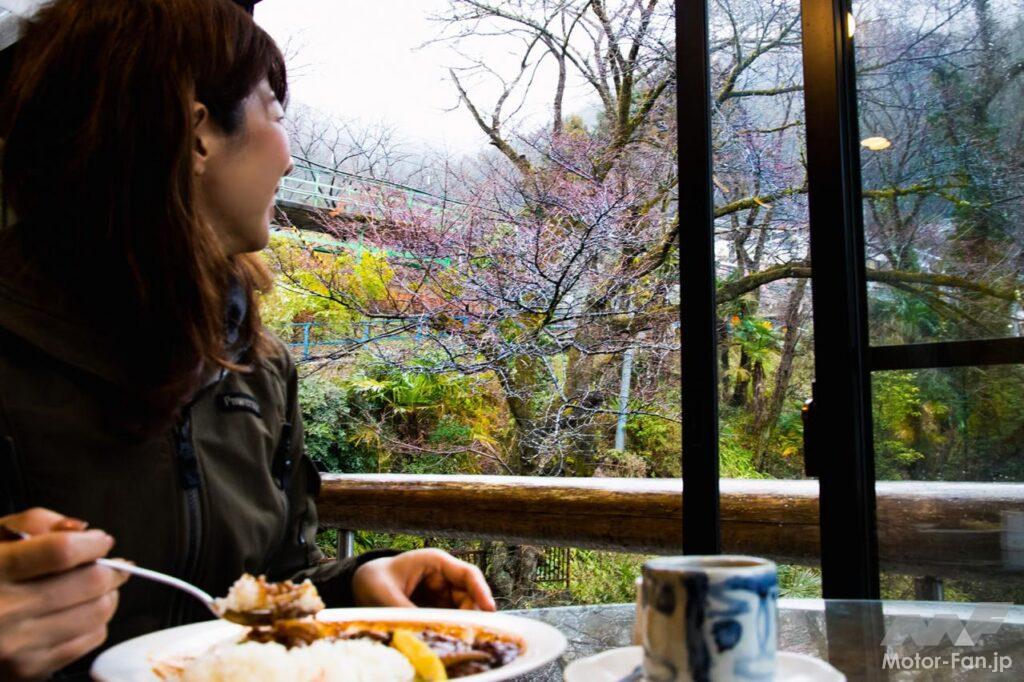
(867, 640)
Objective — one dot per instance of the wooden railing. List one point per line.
(944, 530)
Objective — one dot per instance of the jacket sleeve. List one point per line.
(299, 557)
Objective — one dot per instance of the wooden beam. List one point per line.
(640, 515)
(943, 530)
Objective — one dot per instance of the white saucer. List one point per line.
(615, 664)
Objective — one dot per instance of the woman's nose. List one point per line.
(291, 167)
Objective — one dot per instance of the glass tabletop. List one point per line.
(867, 640)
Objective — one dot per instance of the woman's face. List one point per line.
(237, 174)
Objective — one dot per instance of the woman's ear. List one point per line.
(205, 137)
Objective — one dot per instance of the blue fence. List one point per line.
(308, 342)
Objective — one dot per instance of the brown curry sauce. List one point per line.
(464, 650)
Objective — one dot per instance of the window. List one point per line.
(939, 98)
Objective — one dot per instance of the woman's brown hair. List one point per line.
(97, 168)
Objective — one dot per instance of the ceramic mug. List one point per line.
(709, 618)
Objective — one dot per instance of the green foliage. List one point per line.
(899, 317)
(657, 441)
(360, 423)
(755, 336)
(368, 540)
(786, 450)
(799, 582)
(365, 541)
(450, 431)
(328, 425)
(896, 412)
(625, 464)
(604, 577)
(735, 460)
(419, 422)
(322, 288)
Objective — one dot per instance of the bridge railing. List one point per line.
(324, 195)
(318, 187)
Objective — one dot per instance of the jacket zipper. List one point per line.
(190, 480)
(282, 468)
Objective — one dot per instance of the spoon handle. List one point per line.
(156, 576)
(119, 565)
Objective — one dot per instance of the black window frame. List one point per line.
(697, 302)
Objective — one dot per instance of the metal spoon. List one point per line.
(249, 618)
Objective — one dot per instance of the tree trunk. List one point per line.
(766, 419)
(758, 389)
(518, 383)
(739, 393)
(585, 391)
(723, 358)
(511, 572)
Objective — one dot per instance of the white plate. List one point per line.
(133, 661)
(613, 665)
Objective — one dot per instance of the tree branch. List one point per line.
(729, 291)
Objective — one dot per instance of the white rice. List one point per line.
(323, 661)
(250, 594)
(244, 595)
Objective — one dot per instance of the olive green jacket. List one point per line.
(227, 490)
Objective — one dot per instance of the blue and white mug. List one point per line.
(709, 618)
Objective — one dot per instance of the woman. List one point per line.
(138, 390)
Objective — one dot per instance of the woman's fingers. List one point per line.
(444, 575)
(36, 647)
(38, 663)
(33, 521)
(55, 629)
(54, 602)
(63, 591)
(467, 577)
(431, 577)
(51, 553)
(67, 653)
(69, 523)
(389, 593)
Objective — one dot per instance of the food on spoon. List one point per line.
(273, 601)
(428, 665)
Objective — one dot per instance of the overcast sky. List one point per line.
(358, 59)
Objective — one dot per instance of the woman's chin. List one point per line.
(260, 237)
(261, 241)
(251, 242)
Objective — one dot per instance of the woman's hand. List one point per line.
(422, 577)
(54, 603)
